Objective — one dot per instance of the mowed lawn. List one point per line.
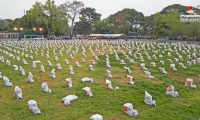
(108, 103)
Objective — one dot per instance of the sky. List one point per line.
(11, 9)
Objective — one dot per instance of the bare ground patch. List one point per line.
(183, 102)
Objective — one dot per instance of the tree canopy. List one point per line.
(61, 20)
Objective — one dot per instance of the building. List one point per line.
(134, 35)
(107, 36)
(8, 35)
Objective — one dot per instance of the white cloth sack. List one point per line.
(172, 67)
(69, 82)
(108, 74)
(77, 64)
(86, 79)
(90, 67)
(71, 72)
(45, 87)
(67, 100)
(162, 70)
(15, 67)
(33, 107)
(108, 64)
(122, 62)
(50, 64)
(153, 64)
(34, 65)
(96, 117)
(130, 79)
(1, 75)
(162, 62)
(148, 99)
(189, 83)
(181, 65)
(148, 74)
(127, 69)
(142, 66)
(131, 61)
(22, 71)
(116, 88)
(8, 63)
(18, 92)
(42, 68)
(128, 109)
(7, 81)
(109, 84)
(59, 67)
(53, 74)
(30, 77)
(170, 91)
(87, 91)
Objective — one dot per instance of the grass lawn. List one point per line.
(108, 103)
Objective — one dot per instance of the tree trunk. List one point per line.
(91, 27)
(47, 30)
(72, 28)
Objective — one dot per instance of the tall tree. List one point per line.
(4, 24)
(35, 17)
(52, 11)
(173, 21)
(71, 11)
(192, 30)
(161, 29)
(127, 20)
(101, 26)
(90, 15)
(134, 18)
(82, 27)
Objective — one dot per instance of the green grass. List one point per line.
(108, 103)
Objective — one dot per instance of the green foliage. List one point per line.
(192, 30)
(126, 20)
(82, 27)
(71, 10)
(28, 32)
(52, 18)
(90, 15)
(4, 24)
(101, 26)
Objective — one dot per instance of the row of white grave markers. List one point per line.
(170, 91)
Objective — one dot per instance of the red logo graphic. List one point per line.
(190, 8)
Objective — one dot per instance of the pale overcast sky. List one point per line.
(12, 9)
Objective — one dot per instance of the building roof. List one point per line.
(133, 34)
(106, 35)
(96, 35)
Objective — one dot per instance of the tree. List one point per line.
(126, 20)
(134, 18)
(192, 30)
(173, 21)
(35, 17)
(148, 24)
(71, 11)
(60, 27)
(161, 29)
(82, 27)
(4, 24)
(54, 14)
(90, 15)
(101, 26)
